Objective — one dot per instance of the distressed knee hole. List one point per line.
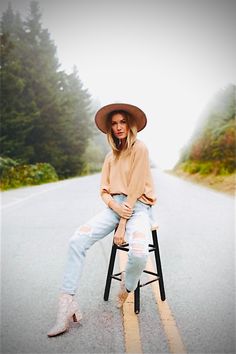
(138, 246)
(138, 235)
(82, 230)
(138, 249)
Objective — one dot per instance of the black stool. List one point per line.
(154, 247)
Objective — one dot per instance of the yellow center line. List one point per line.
(170, 327)
(131, 322)
(130, 319)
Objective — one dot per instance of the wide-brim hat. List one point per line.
(135, 112)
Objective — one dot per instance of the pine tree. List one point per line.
(75, 125)
(45, 112)
(17, 113)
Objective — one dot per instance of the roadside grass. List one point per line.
(224, 181)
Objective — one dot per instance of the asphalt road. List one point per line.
(196, 239)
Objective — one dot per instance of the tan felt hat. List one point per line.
(135, 112)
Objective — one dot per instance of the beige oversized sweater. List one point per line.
(129, 174)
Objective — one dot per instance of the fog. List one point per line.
(167, 57)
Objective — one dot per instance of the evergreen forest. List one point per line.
(212, 147)
(46, 114)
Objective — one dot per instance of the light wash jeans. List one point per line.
(138, 232)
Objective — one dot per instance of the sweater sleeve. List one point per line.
(139, 171)
(105, 181)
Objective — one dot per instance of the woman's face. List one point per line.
(119, 126)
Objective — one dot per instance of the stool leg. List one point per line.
(137, 299)
(110, 272)
(158, 265)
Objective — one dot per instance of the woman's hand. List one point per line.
(123, 210)
(119, 237)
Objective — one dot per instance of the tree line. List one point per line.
(213, 145)
(46, 114)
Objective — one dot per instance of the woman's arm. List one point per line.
(119, 236)
(105, 181)
(123, 210)
(139, 170)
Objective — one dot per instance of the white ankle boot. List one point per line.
(68, 309)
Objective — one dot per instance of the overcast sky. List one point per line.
(169, 57)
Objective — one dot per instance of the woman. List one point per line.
(128, 192)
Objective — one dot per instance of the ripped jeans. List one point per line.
(137, 234)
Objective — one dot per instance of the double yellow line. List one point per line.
(133, 342)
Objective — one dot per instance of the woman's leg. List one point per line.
(84, 237)
(138, 232)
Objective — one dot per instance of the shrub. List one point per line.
(225, 170)
(191, 167)
(206, 168)
(27, 175)
(6, 163)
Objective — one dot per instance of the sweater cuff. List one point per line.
(106, 197)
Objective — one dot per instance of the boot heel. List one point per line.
(76, 317)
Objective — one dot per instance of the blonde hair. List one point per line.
(131, 137)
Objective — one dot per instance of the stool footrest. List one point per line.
(151, 273)
(149, 282)
(123, 248)
(116, 276)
